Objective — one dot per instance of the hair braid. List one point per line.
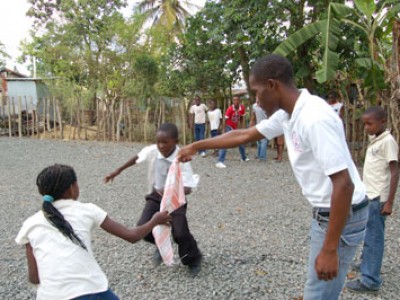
(54, 181)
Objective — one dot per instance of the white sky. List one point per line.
(15, 26)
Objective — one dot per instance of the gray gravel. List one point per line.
(250, 221)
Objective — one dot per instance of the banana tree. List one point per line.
(372, 23)
(369, 18)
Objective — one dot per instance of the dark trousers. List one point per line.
(189, 253)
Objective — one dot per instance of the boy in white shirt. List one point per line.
(160, 157)
(214, 121)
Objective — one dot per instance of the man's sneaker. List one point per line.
(203, 154)
(195, 268)
(246, 159)
(358, 287)
(220, 165)
(157, 259)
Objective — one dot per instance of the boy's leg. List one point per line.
(351, 237)
(372, 253)
(242, 152)
(202, 131)
(262, 152)
(152, 206)
(189, 253)
(221, 155)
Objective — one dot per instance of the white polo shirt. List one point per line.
(159, 167)
(317, 147)
(380, 152)
(65, 269)
(199, 112)
(215, 118)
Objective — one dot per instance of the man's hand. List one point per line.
(162, 218)
(185, 154)
(387, 209)
(111, 176)
(327, 264)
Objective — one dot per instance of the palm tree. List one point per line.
(170, 14)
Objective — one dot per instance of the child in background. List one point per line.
(160, 158)
(380, 176)
(58, 239)
(257, 115)
(214, 121)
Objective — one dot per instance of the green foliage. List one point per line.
(3, 55)
(368, 21)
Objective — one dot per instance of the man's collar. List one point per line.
(304, 93)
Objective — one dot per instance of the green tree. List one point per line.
(170, 14)
(76, 36)
(3, 55)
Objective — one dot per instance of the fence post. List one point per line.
(54, 117)
(27, 116)
(9, 117)
(19, 117)
(48, 114)
(44, 117)
(2, 108)
(59, 112)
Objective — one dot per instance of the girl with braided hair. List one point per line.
(58, 239)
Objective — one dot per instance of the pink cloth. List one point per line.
(173, 198)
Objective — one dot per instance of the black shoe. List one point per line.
(157, 259)
(195, 268)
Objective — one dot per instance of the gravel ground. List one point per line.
(250, 221)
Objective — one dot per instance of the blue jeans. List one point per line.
(222, 152)
(199, 131)
(107, 295)
(262, 149)
(374, 244)
(214, 133)
(352, 235)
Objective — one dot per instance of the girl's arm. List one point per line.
(33, 274)
(135, 234)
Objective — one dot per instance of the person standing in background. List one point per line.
(197, 120)
(234, 119)
(257, 115)
(337, 106)
(214, 116)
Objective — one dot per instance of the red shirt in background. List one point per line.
(232, 115)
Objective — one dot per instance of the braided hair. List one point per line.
(55, 181)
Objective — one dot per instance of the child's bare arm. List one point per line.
(33, 274)
(394, 180)
(118, 171)
(135, 234)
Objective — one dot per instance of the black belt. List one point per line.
(325, 214)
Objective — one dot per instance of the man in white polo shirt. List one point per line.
(322, 165)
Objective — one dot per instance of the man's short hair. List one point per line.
(273, 66)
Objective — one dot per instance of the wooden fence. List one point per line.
(122, 120)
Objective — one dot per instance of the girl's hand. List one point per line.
(162, 218)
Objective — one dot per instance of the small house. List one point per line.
(30, 94)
